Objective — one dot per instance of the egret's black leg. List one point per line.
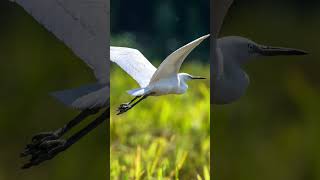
(128, 103)
(127, 108)
(61, 131)
(50, 148)
(143, 97)
(84, 114)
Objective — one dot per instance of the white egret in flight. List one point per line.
(231, 53)
(83, 27)
(154, 82)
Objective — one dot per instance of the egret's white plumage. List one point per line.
(171, 65)
(134, 63)
(155, 82)
(83, 27)
(230, 54)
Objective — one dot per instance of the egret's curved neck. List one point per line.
(235, 55)
(183, 79)
(231, 85)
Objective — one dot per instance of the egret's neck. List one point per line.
(235, 56)
(231, 85)
(183, 79)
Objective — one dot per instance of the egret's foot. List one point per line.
(44, 151)
(123, 108)
(124, 105)
(41, 137)
(37, 140)
(42, 143)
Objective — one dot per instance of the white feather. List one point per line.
(171, 65)
(134, 63)
(81, 24)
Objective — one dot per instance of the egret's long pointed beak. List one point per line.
(278, 51)
(198, 77)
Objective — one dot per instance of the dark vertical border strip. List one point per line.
(213, 74)
(108, 63)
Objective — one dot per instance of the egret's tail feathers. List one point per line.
(138, 92)
(88, 96)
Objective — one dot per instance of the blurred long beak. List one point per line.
(278, 51)
(198, 77)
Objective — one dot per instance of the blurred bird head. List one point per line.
(242, 49)
(187, 77)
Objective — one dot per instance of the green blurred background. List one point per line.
(273, 131)
(34, 63)
(163, 137)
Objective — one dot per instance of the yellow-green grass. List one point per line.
(165, 137)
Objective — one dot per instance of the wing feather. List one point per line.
(134, 63)
(171, 65)
(81, 24)
(220, 9)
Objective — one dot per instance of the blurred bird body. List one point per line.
(83, 27)
(85, 97)
(230, 54)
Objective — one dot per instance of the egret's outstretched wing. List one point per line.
(220, 9)
(134, 63)
(81, 24)
(171, 65)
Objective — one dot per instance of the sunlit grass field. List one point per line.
(164, 137)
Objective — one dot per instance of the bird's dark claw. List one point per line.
(38, 138)
(44, 146)
(123, 108)
(124, 105)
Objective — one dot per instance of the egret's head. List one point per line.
(187, 77)
(242, 49)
